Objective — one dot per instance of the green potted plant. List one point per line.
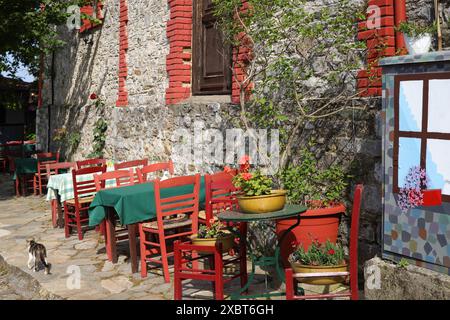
(255, 190)
(319, 258)
(256, 194)
(417, 36)
(212, 234)
(322, 191)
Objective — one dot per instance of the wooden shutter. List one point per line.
(211, 73)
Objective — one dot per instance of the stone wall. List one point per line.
(387, 281)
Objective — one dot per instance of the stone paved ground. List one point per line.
(25, 217)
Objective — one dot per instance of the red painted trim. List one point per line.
(122, 99)
(179, 59)
(400, 16)
(86, 24)
(381, 42)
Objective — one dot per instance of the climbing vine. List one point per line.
(100, 128)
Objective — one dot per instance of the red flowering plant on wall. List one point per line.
(96, 100)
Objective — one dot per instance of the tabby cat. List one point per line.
(37, 256)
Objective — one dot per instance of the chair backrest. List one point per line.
(354, 235)
(82, 187)
(122, 177)
(53, 168)
(135, 164)
(186, 202)
(155, 167)
(45, 158)
(220, 194)
(91, 163)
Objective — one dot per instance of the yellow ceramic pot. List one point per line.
(262, 204)
(227, 241)
(300, 268)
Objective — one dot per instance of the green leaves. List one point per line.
(27, 31)
(415, 29)
(305, 182)
(253, 184)
(100, 128)
(326, 254)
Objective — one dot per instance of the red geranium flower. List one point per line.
(93, 96)
(245, 159)
(227, 169)
(331, 251)
(247, 176)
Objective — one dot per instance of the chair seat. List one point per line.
(202, 216)
(80, 200)
(181, 220)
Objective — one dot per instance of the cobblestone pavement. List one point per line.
(25, 217)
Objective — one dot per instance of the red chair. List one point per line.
(176, 218)
(40, 177)
(155, 167)
(132, 164)
(221, 187)
(352, 274)
(213, 261)
(76, 210)
(122, 178)
(52, 169)
(218, 187)
(90, 163)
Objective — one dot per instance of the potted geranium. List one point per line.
(212, 234)
(256, 193)
(319, 258)
(322, 192)
(417, 36)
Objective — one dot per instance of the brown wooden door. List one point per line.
(211, 60)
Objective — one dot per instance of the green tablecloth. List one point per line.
(25, 166)
(134, 203)
(27, 149)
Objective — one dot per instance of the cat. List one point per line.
(37, 255)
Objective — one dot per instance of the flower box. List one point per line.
(432, 197)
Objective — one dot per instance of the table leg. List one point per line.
(17, 184)
(60, 220)
(132, 241)
(111, 249)
(265, 261)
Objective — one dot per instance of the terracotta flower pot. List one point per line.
(262, 204)
(227, 241)
(300, 268)
(321, 224)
